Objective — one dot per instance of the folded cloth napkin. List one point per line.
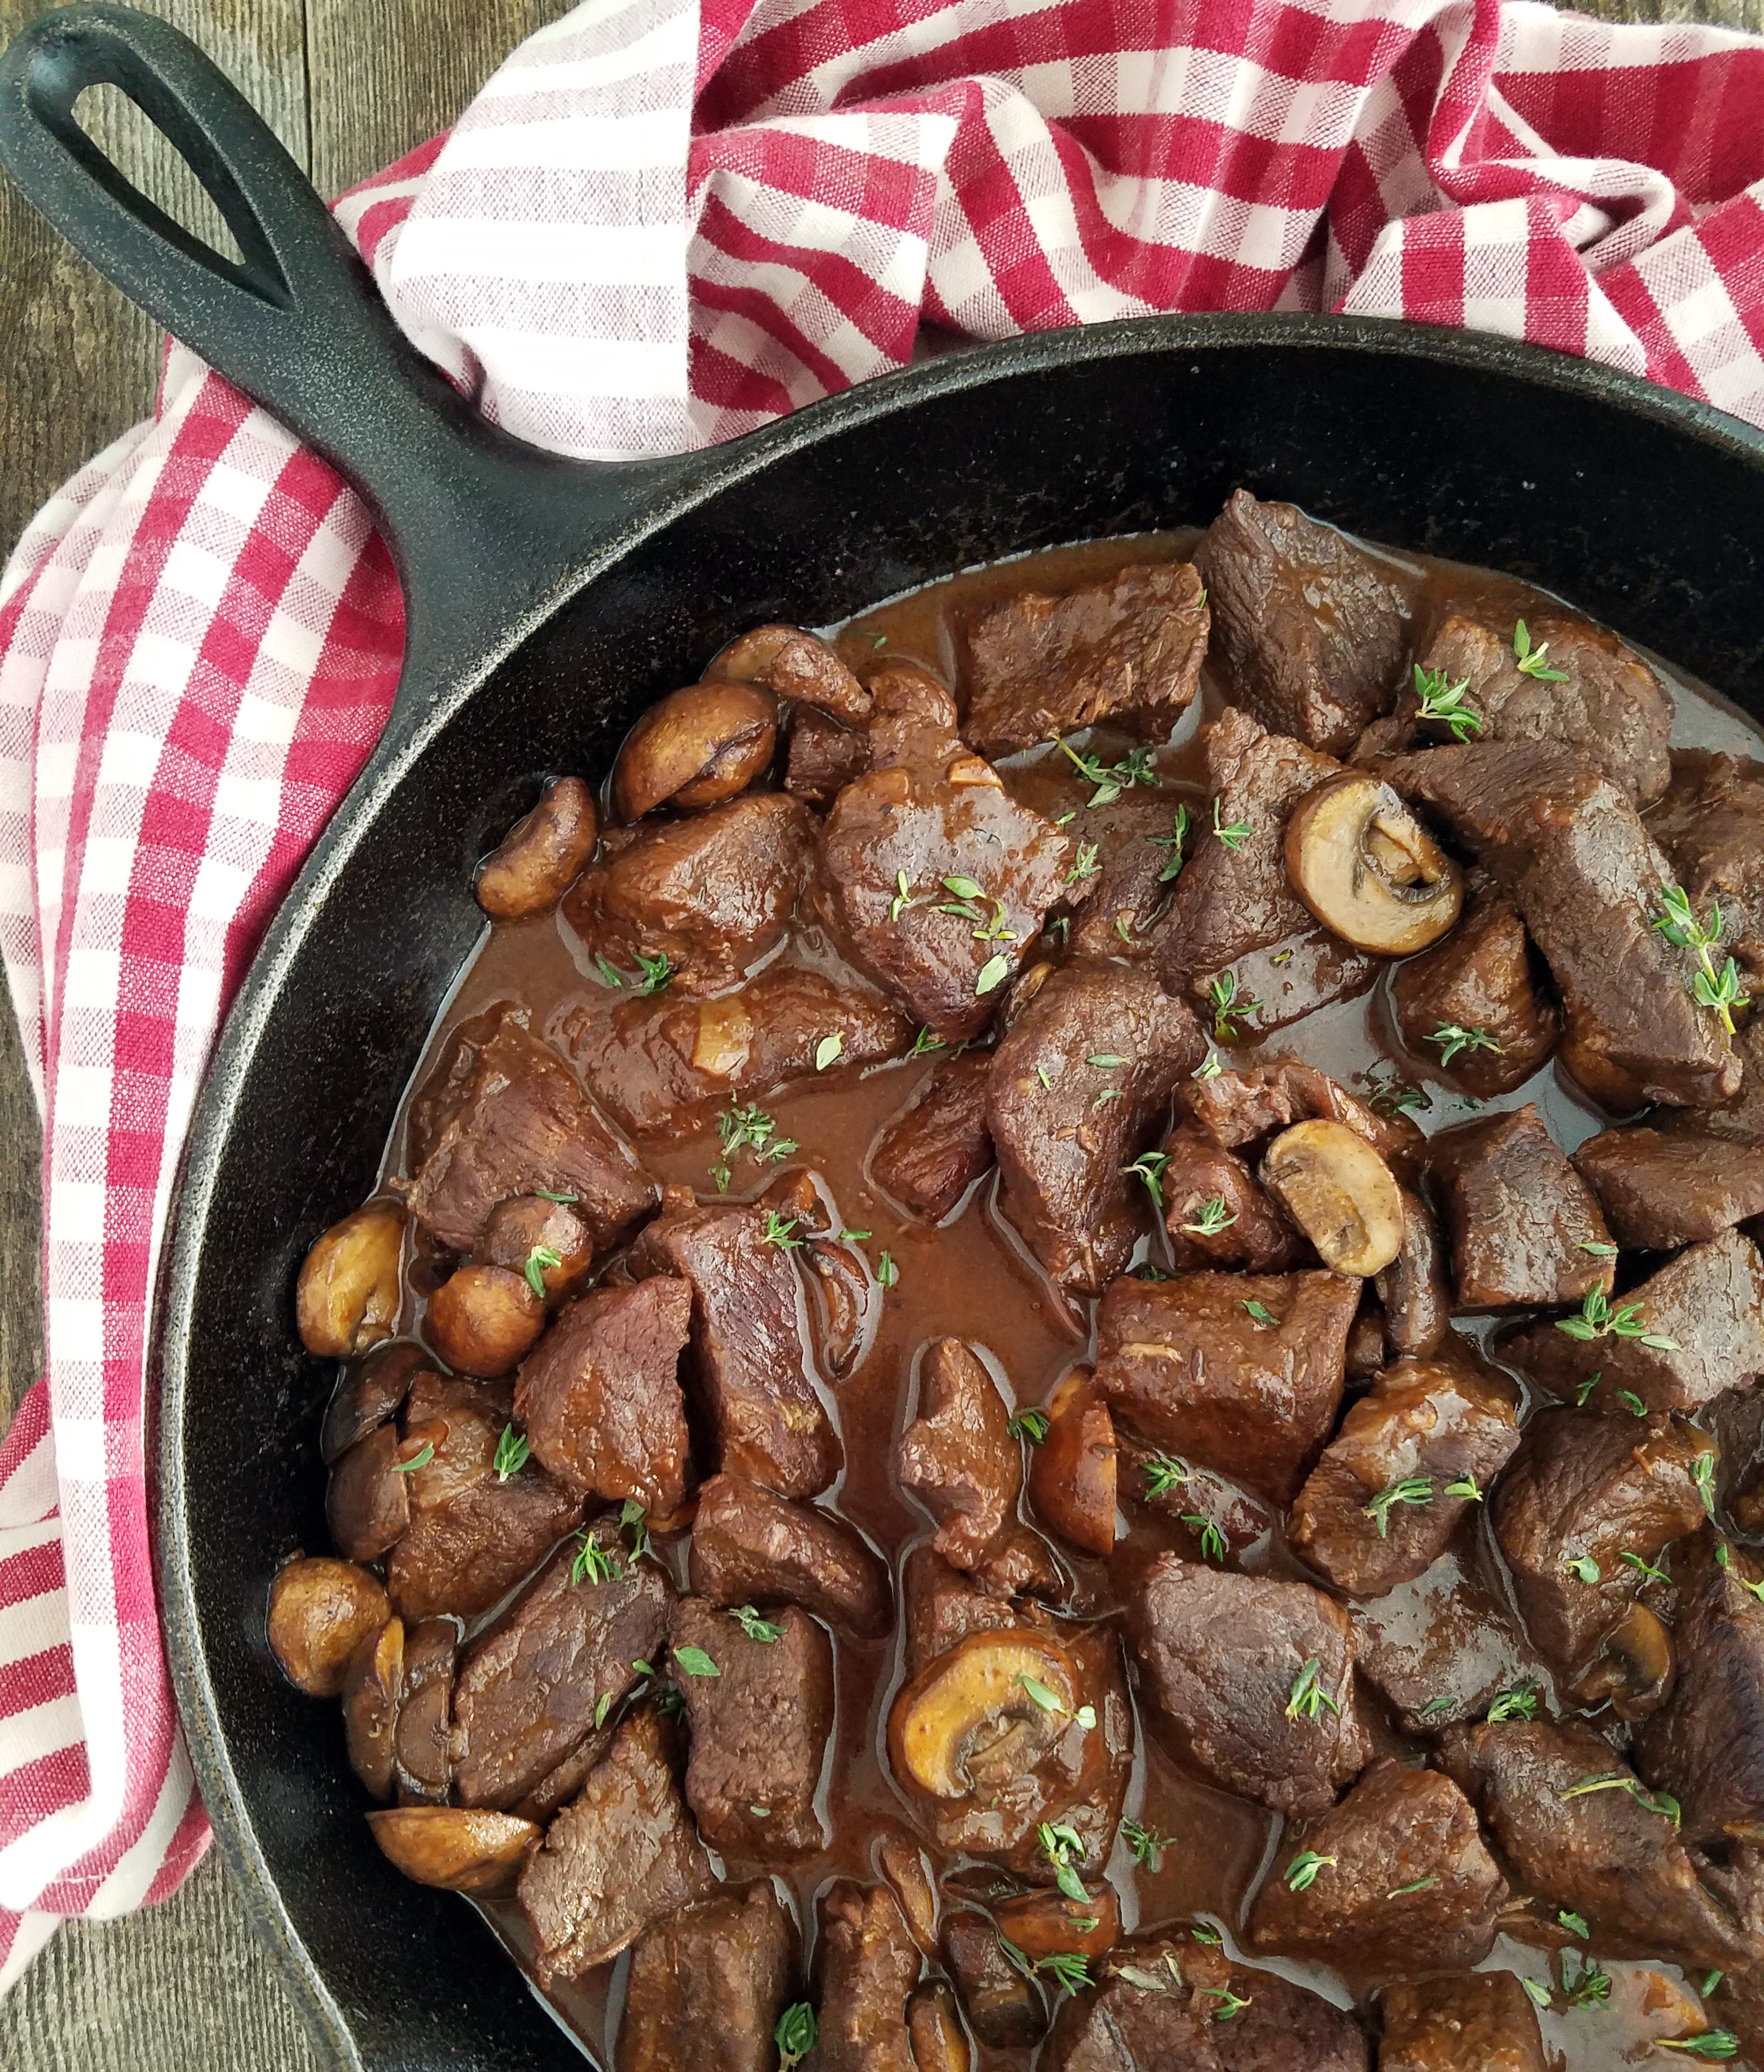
(661, 223)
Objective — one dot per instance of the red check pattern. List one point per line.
(661, 223)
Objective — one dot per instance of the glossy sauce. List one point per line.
(972, 1278)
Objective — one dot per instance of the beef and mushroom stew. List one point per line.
(1058, 1361)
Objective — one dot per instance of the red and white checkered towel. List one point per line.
(661, 223)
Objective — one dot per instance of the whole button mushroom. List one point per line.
(541, 856)
(321, 1610)
(1368, 869)
(483, 1320)
(1339, 1192)
(454, 1847)
(695, 747)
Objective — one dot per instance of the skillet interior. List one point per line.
(1644, 510)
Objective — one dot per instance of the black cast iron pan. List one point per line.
(549, 601)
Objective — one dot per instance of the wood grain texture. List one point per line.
(349, 85)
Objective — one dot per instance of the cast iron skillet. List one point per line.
(548, 603)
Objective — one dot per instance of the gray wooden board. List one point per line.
(348, 85)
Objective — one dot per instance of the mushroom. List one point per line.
(1339, 1192)
(940, 2043)
(453, 1847)
(1634, 1667)
(1368, 869)
(422, 1758)
(368, 1505)
(371, 1685)
(1041, 1922)
(525, 1229)
(695, 747)
(483, 1319)
(541, 856)
(367, 1394)
(1071, 1473)
(902, 1864)
(348, 1298)
(795, 665)
(1414, 1288)
(981, 1708)
(321, 1610)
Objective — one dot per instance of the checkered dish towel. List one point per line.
(661, 223)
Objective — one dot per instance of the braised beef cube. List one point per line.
(1603, 701)
(760, 1719)
(1522, 1222)
(1470, 2021)
(660, 1065)
(367, 1500)
(1078, 1084)
(1196, 1497)
(1218, 1213)
(823, 755)
(1403, 1874)
(941, 1605)
(1367, 1350)
(510, 1119)
(927, 811)
(866, 1965)
(751, 1548)
(1128, 649)
(1569, 846)
(1659, 1191)
(1241, 1372)
(1234, 899)
(473, 1535)
(1134, 859)
(1480, 994)
(1740, 1119)
(1414, 1288)
(1610, 1854)
(1706, 1747)
(1252, 1681)
(1310, 628)
(1441, 1648)
(1285, 2028)
(621, 1855)
(710, 1980)
(558, 1787)
(421, 1753)
(1410, 1458)
(1241, 1109)
(534, 1686)
(1582, 1491)
(930, 1155)
(713, 894)
(1006, 2008)
(599, 1394)
(1704, 1310)
(750, 1377)
(368, 1392)
(1710, 825)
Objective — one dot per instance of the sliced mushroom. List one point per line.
(1634, 1667)
(451, 1846)
(902, 1863)
(320, 1612)
(347, 1299)
(984, 1707)
(422, 1758)
(695, 747)
(367, 1394)
(1415, 1289)
(940, 2043)
(1071, 1473)
(541, 856)
(368, 1505)
(373, 1684)
(1339, 1192)
(483, 1319)
(795, 665)
(1040, 1923)
(1368, 869)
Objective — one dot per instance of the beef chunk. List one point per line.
(1006, 2008)
(1079, 1080)
(1659, 1191)
(930, 1155)
(1568, 845)
(1188, 1366)
(1134, 868)
(1607, 704)
(509, 1119)
(1519, 1218)
(759, 1727)
(421, 1756)
(660, 1066)
(473, 1535)
(719, 1972)
(751, 1548)
(1241, 1109)
(1310, 628)
(1413, 1289)
(1612, 1855)
(1128, 649)
(1706, 1746)
(616, 1859)
(1587, 1489)
(1475, 2021)
(1196, 1497)
(367, 1502)
(600, 1399)
(865, 1964)
(960, 1458)
(529, 1687)
(1405, 1880)
(1710, 825)
(713, 894)
(929, 810)
(1441, 1647)
(1484, 977)
(1226, 1661)
(1705, 1310)
(823, 757)
(940, 1605)
(750, 1371)
(1255, 1236)
(1378, 1507)
(1233, 901)
(1740, 1120)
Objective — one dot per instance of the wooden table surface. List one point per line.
(348, 85)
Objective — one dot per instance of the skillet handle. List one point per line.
(484, 526)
